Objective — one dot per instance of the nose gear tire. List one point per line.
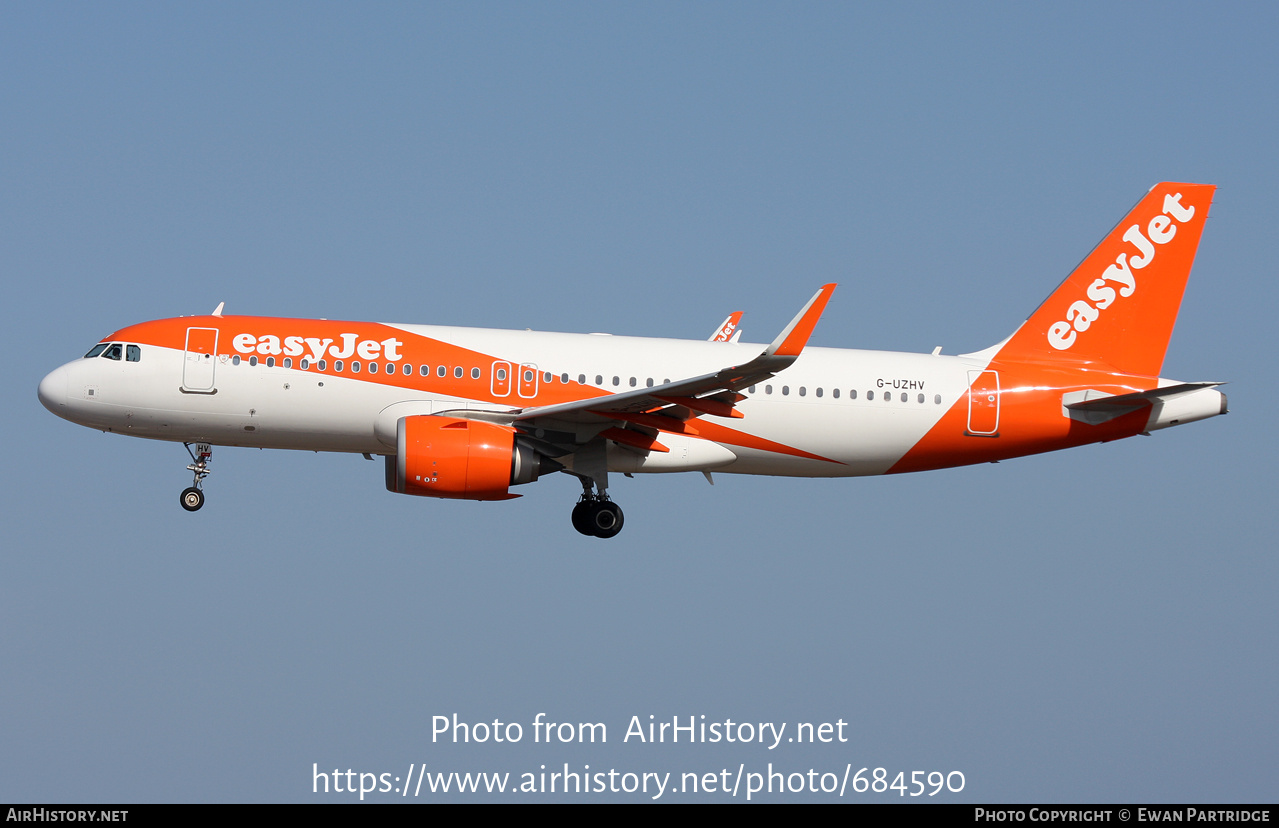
(192, 499)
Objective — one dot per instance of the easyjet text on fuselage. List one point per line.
(316, 348)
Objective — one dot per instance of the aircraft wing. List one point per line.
(669, 406)
(707, 394)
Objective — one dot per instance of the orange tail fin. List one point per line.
(1119, 305)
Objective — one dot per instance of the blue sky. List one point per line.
(1095, 625)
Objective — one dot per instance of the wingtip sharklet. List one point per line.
(791, 341)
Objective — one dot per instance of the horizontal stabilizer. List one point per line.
(1097, 407)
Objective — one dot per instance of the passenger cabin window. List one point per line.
(252, 360)
(441, 371)
(475, 374)
(96, 351)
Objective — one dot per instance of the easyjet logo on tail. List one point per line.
(1119, 279)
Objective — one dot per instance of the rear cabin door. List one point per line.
(983, 403)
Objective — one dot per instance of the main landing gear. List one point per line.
(594, 513)
(597, 515)
(193, 496)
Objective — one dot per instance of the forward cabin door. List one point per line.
(200, 360)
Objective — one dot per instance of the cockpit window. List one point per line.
(96, 350)
(132, 353)
(115, 351)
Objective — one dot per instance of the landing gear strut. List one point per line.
(193, 496)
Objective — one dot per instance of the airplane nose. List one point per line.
(53, 390)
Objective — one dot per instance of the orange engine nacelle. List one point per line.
(465, 459)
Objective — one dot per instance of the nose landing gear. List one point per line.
(193, 496)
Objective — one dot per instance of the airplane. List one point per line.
(469, 413)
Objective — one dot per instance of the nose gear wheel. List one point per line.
(192, 499)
